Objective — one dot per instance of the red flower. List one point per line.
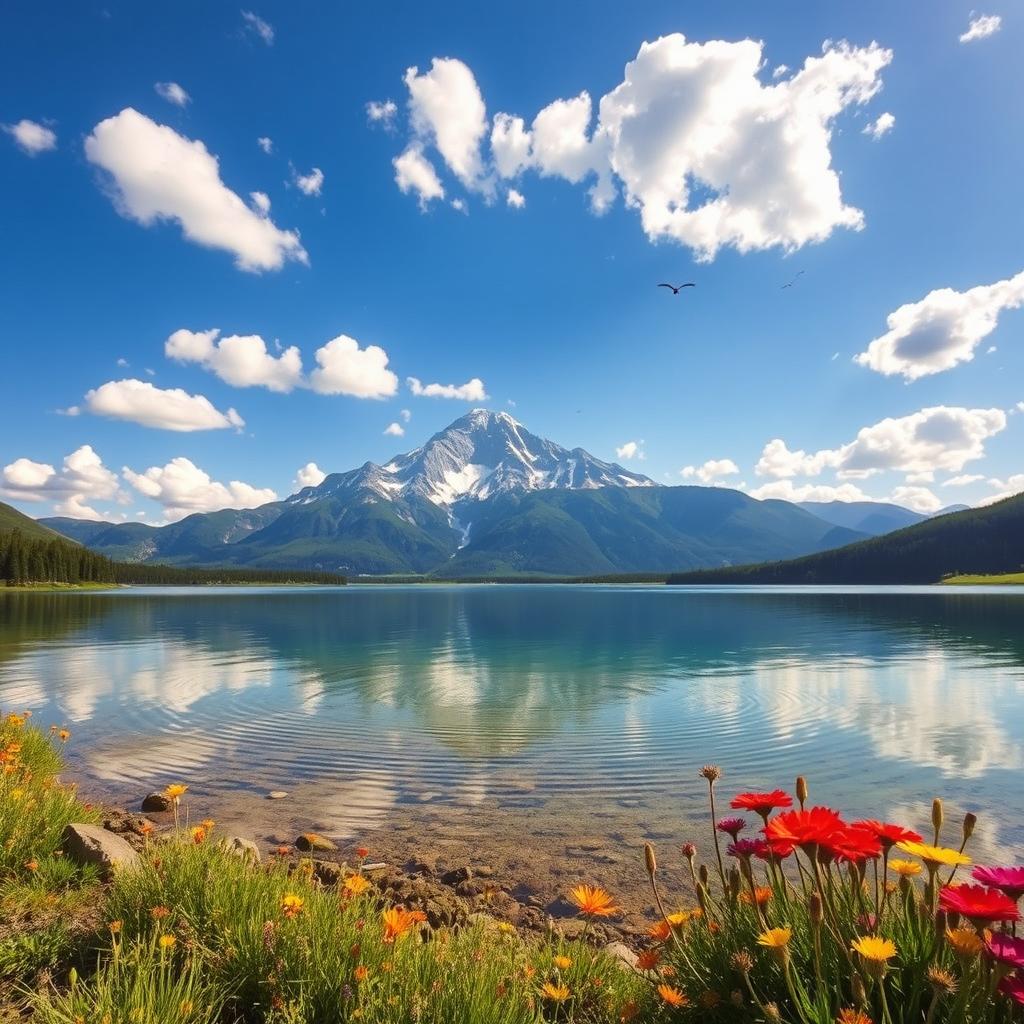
(888, 835)
(762, 803)
(978, 903)
(855, 845)
(803, 828)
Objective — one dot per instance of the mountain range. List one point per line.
(485, 497)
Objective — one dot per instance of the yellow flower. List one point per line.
(874, 948)
(504, 926)
(933, 856)
(355, 884)
(167, 941)
(208, 824)
(964, 941)
(775, 938)
(291, 905)
(563, 963)
(906, 868)
(175, 791)
(679, 918)
(593, 901)
(556, 993)
(64, 735)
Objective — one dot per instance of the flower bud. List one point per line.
(735, 882)
(801, 790)
(817, 909)
(743, 962)
(771, 1011)
(703, 875)
(970, 820)
(702, 900)
(860, 996)
(711, 772)
(689, 850)
(650, 860)
(937, 817)
(736, 998)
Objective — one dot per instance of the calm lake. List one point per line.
(516, 707)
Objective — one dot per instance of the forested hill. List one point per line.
(12, 519)
(979, 540)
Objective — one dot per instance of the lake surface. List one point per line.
(517, 707)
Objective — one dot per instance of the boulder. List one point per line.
(241, 847)
(155, 802)
(91, 844)
(621, 952)
(456, 875)
(311, 841)
(276, 794)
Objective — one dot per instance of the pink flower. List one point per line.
(1006, 949)
(746, 848)
(734, 826)
(979, 904)
(1013, 987)
(1007, 880)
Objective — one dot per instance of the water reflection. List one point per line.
(483, 696)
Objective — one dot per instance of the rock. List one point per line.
(620, 951)
(484, 871)
(326, 873)
(456, 875)
(423, 866)
(90, 844)
(311, 841)
(276, 794)
(244, 848)
(156, 802)
(470, 888)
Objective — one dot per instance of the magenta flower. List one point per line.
(1013, 987)
(1006, 949)
(1007, 880)
(744, 849)
(734, 826)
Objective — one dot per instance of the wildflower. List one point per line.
(146, 828)
(801, 790)
(943, 983)
(874, 948)
(593, 901)
(660, 932)
(854, 845)
(731, 826)
(762, 895)
(283, 851)
(175, 791)
(167, 941)
(933, 856)
(888, 835)
(964, 941)
(291, 905)
(208, 824)
(32, 865)
(979, 904)
(743, 962)
(556, 993)
(563, 963)
(504, 926)
(777, 940)
(362, 852)
(803, 828)
(1013, 987)
(361, 972)
(762, 803)
(711, 772)
(689, 850)
(905, 868)
(115, 927)
(650, 861)
(744, 849)
(1007, 880)
(64, 735)
(355, 884)
(680, 917)
(198, 834)
(648, 959)
(937, 818)
(710, 999)
(158, 912)
(851, 1015)
(672, 996)
(1006, 949)
(397, 921)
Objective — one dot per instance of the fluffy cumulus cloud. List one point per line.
(140, 402)
(1004, 488)
(173, 93)
(310, 475)
(981, 27)
(156, 174)
(382, 112)
(515, 199)
(343, 368)
(182, 488)
(786, 490)
(394, 429)
(710, 471)
(930, 440)
(709, 153)
(82, 478)
(472, 391)
(882, 125)
(415, 173)
(240, 360)
(630, 450)
(942, 329)
(920, 499)
(31, 137)
(256, 26)
(309, 184)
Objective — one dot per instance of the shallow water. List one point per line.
(593, 706)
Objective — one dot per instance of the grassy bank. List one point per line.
(1016, 578)
(810, 920)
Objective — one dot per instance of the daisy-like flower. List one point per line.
(888, 835)
(563, 963)
(361, 972)
(980, 905)
(775, 938)
(648, 959)
(291, 905)
(660, 932)
(934, 856)
(875, 951)
(593, 901)
(198, 834)
(672, 996)
(942, 982)
(355, 884)
(854, 845)
(1013, 988)
(1007, 880)
(905, 868)
(556, 993)
(744, 849)
(731, 826)
(964, 941)
(806, 829)
(762, 803)
(1006, 949)
(175, 791)
(64, 735)
(762, 895)
(167, 941)
(851, 1015)
(397, 921)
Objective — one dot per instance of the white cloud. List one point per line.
(460, 205)
(710, 470)
(122, 361)
(927, 477)
(395, 429)
(163, 409)
(309, 184)
(415, 173)
(934, 439)
(882, 125)
(631, 450)
(963, 480)
(406, 415)
(240, 360)
(182, 488)
(941, 330)
(346, 369)
(173, 93)
(260, 203)
(82, 478)
(472, 391)
(157, 174)
(381, 112)
(255, 24)
(1004, 488)
(786, 490)
(920, 499)
(31, 137)
(510, 145)
(515, 199)
(447, 111)
(266, 144)
(981, 27)
(310, 475)
(780, 71)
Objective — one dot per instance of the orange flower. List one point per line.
(64, 735)
(355, 884)
(556, 993)
(361, 972)
(146, 828)
(563, 963)
(661, 932)
(208, 824)
(853, 1016)
(762, 894)
(672, 996)
(175, 791)
(158, 912)
(648, 959)
(198, 834)
(397, 921)
(593, 901)
(32, 865)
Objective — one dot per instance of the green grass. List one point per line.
(47, 588)
(994, 580)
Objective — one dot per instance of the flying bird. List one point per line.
(793, 282)
(675, 290)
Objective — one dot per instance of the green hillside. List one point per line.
(12, 519)
(980, 541)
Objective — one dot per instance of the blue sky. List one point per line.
(120, 230)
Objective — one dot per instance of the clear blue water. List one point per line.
(595, 705)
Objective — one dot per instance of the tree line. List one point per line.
(26, 560)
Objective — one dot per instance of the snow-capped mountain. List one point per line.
(480, 455)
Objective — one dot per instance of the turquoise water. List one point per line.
(536, 701)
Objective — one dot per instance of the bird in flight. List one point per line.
(675, 290)
(793, 282)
